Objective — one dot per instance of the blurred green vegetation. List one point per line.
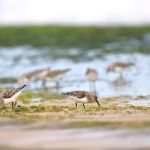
(67, 37)
(51, 113)
(27, 97)
(8, 80)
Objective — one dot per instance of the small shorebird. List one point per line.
(82, 97)
(27, 76)
(35, 75)
(56, 75)
(10, 96)
(92, 76)
(119, 67)
(40, 75)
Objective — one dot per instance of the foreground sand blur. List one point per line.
(64, 127)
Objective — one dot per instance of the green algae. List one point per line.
(51, 109)
(108, 124)
(8, 80)
(68, 37)
(27, 97)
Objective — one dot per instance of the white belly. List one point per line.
(79, 100)
(56, 78)
(118, 69)
(41, 76)
(8, 100)
(12, 99)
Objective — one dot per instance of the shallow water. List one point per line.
(144, 103)
(24, 59)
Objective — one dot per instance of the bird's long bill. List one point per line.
(98, 103)
(22, 87)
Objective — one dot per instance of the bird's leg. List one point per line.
(44, 83)
(83, 105)
(35, 85)
(94, 87)
(57, 85)
(98, 103)
(76, 104)
(90, 84)
(14, 104)
(121, 76)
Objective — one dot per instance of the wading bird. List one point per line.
(82, 97)
(10, 96)
(119, 67)
(35, 75)
(56, 76)
(92, 76)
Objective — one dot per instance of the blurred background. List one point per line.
(75, 12)
(77, 34)
(103, 35)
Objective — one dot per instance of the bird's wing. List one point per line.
(91, 96)
(78, 94)
(9, 93)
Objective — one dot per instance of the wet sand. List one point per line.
(76, 139)
(109, 127)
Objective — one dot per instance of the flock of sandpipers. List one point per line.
(43, 75)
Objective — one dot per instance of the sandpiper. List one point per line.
(119, 67)
(35, 75)
(40, 75)
(27, 75)
(92, 76)
(82, 97)
(56, 75)
(10, 96)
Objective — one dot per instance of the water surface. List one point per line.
(15, 61)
